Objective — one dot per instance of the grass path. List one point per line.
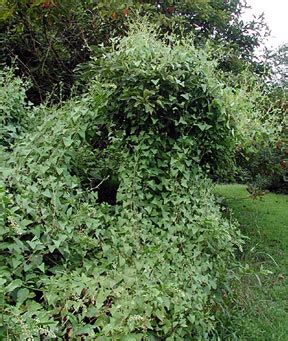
(261, 312)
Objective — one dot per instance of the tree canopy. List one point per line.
(49, 39)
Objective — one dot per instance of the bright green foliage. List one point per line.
(152, 266)
(149, 265)
(258, 311)
(13, 107)
(175, 90)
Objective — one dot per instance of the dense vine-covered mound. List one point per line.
(111, 231)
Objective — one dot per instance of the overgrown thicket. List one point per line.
(47, 39)
(110, 226)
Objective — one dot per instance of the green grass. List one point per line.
(260, 311)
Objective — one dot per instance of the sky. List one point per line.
(276, 16)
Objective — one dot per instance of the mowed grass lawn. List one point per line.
(261, 309)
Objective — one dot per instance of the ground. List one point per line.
(261, 310)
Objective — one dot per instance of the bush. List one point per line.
(176, 90)
(153, 263)
(264, 167)
(13, 106)
(261, 158)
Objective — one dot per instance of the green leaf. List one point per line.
(67, 141)
(22, 295)
(2, 281)
(14, 285)
(203, 126)
(155, 81)
(186, 96)
(47, 193)
(42, 267)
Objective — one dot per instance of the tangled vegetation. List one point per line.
(111, 230)
(47, 39)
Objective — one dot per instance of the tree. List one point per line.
(50, 38)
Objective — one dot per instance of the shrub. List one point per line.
(261, 156)
(176, 90)
(264, 166)
(153, 264)
(13, 106)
